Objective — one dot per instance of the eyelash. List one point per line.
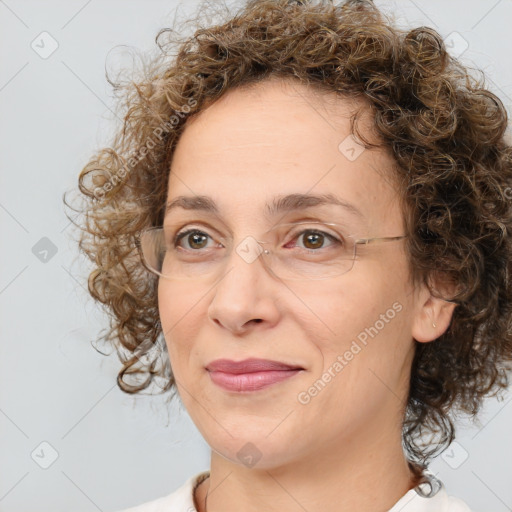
(183, 234)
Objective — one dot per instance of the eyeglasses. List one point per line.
(163, 253)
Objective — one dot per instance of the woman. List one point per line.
(309, 206)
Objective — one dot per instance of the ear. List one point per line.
(432, 313)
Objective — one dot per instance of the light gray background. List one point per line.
(113, 450)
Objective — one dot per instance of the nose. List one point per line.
(245, 293)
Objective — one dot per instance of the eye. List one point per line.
(194, 237)
(314, 239)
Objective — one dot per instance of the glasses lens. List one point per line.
(153, 248)
(165, 259)
(318, 251)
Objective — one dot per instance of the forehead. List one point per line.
(279, 138)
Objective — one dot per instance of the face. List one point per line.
(351, 332)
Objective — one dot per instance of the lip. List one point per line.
(251, 365)
(250, 374)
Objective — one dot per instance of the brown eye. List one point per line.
(314, 239)
(195, 238)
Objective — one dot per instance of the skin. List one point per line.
(342, 450)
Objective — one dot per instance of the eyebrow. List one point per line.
(280, 204)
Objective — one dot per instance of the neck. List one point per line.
(356, 476)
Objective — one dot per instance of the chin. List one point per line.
(258, 451)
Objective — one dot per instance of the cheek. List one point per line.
(176, 304)
(367, 310)
(363, 356)
(166, 309)
(177, 319)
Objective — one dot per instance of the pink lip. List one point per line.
(250, 381)
(250, 374)
(248, 366)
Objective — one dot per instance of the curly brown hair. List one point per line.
(445, 130)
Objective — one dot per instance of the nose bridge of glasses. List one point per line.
(249, 249)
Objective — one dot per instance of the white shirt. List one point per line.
(430, 496)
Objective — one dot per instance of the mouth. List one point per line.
(250, 374)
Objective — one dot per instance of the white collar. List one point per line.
(428, 496)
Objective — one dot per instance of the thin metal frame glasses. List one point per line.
(303, 264)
